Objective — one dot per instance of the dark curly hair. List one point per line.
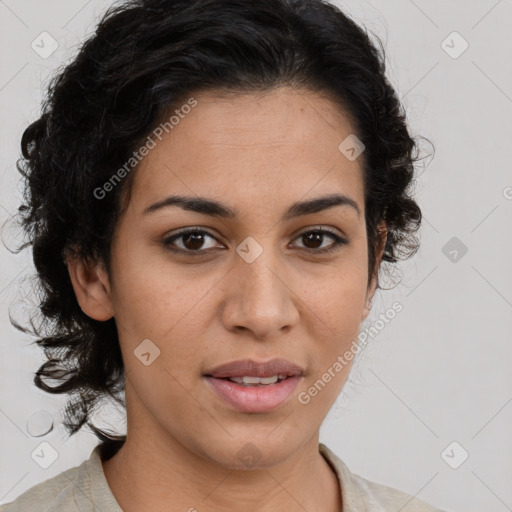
(144, 59)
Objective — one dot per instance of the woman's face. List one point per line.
(252, 285)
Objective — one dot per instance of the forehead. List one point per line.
(253, 146)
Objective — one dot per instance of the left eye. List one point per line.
(316, 235)
(192, 241)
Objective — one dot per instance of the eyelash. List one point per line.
(338, 241)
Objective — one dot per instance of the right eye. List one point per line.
(191, 241)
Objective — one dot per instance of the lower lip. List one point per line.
(254, 398)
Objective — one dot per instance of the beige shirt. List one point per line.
(84, 488)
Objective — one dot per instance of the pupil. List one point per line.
(314, 237)
(197, 241)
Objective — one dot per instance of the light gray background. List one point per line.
(440, 371)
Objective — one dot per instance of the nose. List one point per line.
(260, 298)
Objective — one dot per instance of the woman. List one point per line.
(211, 190)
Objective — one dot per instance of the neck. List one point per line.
(162, 475)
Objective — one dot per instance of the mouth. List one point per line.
(255, 396)
(255, 387)
(248, 381)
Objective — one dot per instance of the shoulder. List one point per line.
(360, 494)
(51, 495)
(78, 489)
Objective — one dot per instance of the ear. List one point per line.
(92, 287)
(383, 234)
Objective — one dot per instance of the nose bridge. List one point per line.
(260, 282)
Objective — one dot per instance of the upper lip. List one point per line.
(251, 368)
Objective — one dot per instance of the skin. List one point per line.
(257, 153)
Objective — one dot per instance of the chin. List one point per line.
(251, 452)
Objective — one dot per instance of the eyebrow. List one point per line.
(214, 208)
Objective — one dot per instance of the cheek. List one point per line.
(337, 296)
(170, 318)
(336, 306)
(338, 316)
(152, 295)
(334, 328)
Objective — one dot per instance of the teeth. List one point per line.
(251, 381)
